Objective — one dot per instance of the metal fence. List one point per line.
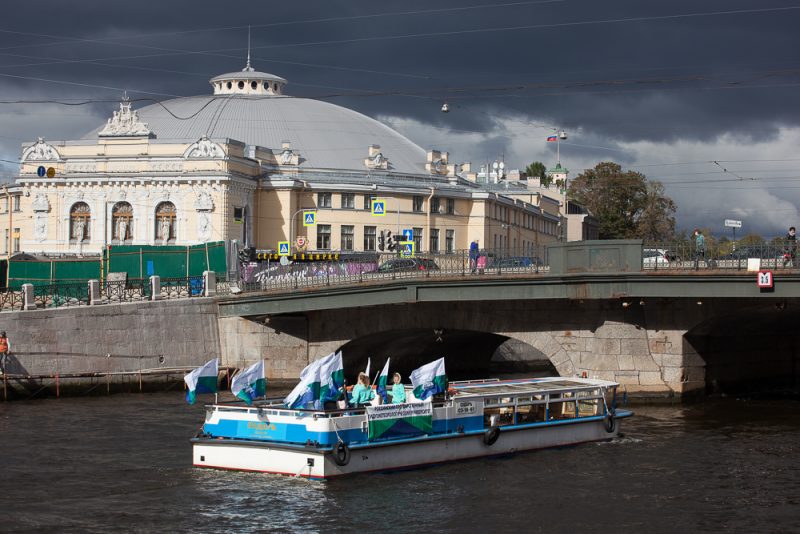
(376, 267)
(372, 267)
(685, 256)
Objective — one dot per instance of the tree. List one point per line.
(625, 203)
(538, 170)
(656, 222)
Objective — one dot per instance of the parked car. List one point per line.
(518, 262)
(396, 265)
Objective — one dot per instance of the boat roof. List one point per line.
(524, 386)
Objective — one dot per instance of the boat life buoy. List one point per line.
(341, 453)
(610, 422)
(491, 435)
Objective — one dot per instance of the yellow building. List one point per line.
(242, 164)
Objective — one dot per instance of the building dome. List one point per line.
(249, 106)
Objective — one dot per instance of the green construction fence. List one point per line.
(136, 261)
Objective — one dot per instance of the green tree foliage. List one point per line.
(538, 170)
(625, 203)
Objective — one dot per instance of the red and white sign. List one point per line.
(300, 241)
(765, 280)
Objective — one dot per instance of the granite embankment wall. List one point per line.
(114, 337)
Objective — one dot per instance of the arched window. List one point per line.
(121, 222)
(165, 222)
(79, 218)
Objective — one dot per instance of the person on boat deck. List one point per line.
(362, 393)
(398, 390)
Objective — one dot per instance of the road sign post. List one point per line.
(731, 223)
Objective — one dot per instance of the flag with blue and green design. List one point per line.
(321, 379)
(251, 383)
(429, 379)
(331, 377)
(202, 380)
(382, 378)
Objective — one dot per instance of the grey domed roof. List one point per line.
(326, 136)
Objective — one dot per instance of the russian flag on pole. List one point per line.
(429, 379)
(552, 138)
(384, 376)
(251, 383)
(202, 380)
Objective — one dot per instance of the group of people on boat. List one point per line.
(363, 393)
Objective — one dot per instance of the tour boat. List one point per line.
(473, 419)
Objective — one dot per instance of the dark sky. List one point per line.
(665, 88)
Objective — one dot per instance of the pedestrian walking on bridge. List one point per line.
(699, 248)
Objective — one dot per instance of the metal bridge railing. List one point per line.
(686, 256)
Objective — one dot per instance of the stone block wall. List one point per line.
(149, 335)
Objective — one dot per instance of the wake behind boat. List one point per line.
(471, 419)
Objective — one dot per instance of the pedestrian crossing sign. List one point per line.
(407, 249)
(283, 248)
(309, 218)
(379, 208)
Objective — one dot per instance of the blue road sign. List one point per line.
(41, 171)
(408, 234)
(309, 218)
(379, 208)
(283, 248)
(407, 249)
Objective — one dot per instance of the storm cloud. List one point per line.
(665, 88)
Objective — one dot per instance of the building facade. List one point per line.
(243, 163)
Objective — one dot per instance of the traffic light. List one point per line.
(381, 242)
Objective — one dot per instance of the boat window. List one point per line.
(562, 410)
(530, 414)
(587, 407)
(498, 417)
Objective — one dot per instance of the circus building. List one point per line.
(242, 163)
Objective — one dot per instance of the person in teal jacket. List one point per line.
(362, 393)
(398, 390)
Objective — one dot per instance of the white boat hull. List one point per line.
(314, 463)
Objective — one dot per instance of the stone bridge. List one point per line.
(594, 312)
(657, 333)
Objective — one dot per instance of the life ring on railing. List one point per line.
(491, 435)
(341, 454)
(610, 422)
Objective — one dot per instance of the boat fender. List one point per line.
(610, 422)
(491, 435)
(341, 453)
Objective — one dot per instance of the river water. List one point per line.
(123, 463)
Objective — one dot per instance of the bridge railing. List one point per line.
(358, 268)
(686, 256)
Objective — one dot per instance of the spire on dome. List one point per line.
(248, 68)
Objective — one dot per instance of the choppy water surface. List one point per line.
(122, 463)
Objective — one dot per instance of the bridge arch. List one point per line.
(469, 353)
